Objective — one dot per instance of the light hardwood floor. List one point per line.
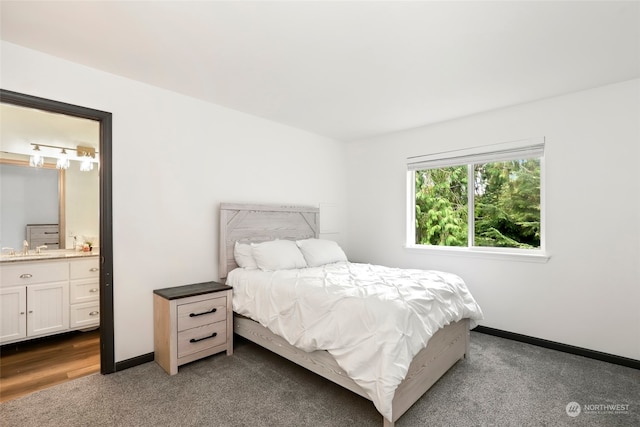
(31, 366)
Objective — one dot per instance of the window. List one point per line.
(487, 197)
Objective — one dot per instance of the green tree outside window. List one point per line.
(506, 205)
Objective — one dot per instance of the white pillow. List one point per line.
(278, 255)
(243, 253)
(319, 252)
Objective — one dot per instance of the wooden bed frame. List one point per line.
(258, 223)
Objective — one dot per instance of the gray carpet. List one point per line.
(504, 383)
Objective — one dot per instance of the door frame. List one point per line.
(107, 353)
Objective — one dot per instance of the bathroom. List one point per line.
(50, 214)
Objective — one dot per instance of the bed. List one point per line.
(255, 226)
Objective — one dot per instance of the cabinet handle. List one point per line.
(30, 311)
(94, 269)
(94, 313)
(26, 276)
(22, 312)
(213, 335)
(213, 310)
(93, 290)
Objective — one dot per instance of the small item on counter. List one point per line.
(87, 247)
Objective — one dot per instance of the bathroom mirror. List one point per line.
(29, 196)
(45, 194)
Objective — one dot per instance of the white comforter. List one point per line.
(373, 320)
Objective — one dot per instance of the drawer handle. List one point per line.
(213, 310)
(26, 276)
(94, 269)
(213, 335)
(94, 290)
(94, 313)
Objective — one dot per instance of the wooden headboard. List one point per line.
(260, 223)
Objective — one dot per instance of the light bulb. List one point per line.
(63, 161)
(36, 159)
(86, 165)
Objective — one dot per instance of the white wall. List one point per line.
(82, 205)
(588, 293)
(175, 159)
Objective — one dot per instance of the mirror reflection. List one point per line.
(60, 194)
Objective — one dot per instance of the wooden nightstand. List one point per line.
(191, 322)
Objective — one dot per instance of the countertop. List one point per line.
(48, 255)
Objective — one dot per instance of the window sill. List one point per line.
(489, 253)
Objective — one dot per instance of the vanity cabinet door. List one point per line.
(47, 308)
(13, 317)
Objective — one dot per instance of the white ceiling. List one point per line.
(347, 70)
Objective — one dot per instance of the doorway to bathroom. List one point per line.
(105, 334)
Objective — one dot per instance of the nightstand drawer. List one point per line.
(201, 338)
(200, 313)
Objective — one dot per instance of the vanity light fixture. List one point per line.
(86, 156)
(36, 159)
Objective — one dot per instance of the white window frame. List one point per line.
(522, 149)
